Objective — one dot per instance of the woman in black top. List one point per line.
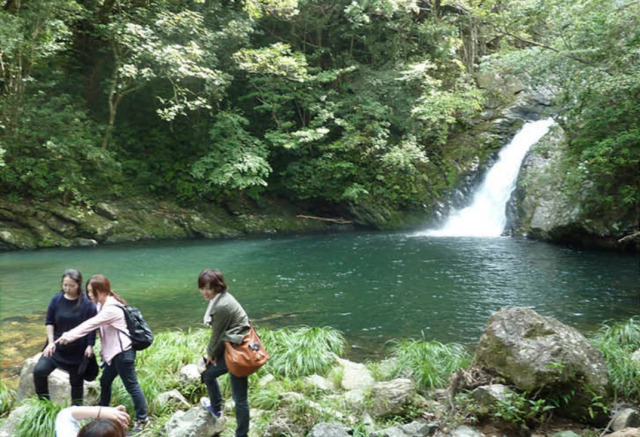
(67, 309)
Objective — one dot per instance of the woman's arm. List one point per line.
(67, 420)
(51, 346)
(104, 317)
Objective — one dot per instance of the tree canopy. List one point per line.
(329, 102)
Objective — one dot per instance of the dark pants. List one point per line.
(43, 369)
(123, 365)
(238, 391)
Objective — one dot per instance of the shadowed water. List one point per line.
(371, 286)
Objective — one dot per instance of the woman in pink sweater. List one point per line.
(118, 357)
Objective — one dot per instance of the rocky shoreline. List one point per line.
(530, 376)
(47, 224)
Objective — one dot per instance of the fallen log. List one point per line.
(629, 238)
(339, 221)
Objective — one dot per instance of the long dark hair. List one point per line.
(100, 284)
(76, 277)
(102, 428)
(213, 280)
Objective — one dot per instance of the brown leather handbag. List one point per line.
(247, 357)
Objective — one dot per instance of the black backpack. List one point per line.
(139, 332)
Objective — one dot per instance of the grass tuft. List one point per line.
(38, 420)
(303, 351)
(428, 363)
(7, 398)
(617, 343)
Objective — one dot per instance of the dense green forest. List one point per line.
(324, 102)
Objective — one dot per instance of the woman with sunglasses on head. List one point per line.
(67, 309)
(118, 356)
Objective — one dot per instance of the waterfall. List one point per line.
(486, 217)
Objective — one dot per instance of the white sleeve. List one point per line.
(66, 425)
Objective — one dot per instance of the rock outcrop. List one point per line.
(47, 224)
(542, 208)
(541, 355)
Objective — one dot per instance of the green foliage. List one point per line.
(302, 351)
(7, 398)
(518, 409)
(39, 419)
(618, 342)
(237, 160)
(341, 103)
(430, 363)
(51, 151)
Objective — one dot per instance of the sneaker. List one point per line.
(139, 426)
(206, 404)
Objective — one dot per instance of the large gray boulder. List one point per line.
(59, 386)
(536, 353)
(392, 397)
(197, 422)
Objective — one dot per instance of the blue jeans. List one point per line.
(239, 388)
(123, 365)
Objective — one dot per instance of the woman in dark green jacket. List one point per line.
(229, 322)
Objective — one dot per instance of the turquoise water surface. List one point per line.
(371, 286)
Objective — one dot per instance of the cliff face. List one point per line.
(541, 206)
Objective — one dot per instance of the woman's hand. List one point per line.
(119, 414)
(49, 350)
(208, 360)
(89, 351)
(62, 340)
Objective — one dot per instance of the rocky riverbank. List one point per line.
(48, 224)
(530, 376)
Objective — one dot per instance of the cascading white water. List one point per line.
(486, 217)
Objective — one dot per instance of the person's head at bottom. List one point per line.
(102, 428)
